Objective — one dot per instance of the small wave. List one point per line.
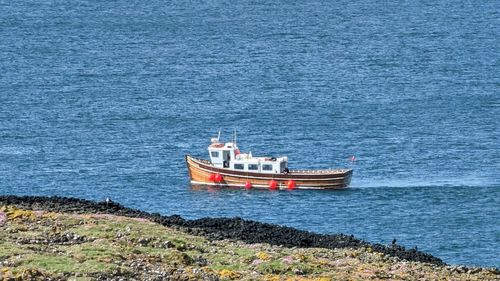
(16, 150)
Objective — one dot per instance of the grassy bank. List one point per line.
(43, 245)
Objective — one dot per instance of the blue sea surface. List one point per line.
(104, 98)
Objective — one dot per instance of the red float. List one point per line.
(273, 185)
(211, 177)
(248, 185)
(291, 184)
(218, 178)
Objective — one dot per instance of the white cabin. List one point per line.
(228, 156)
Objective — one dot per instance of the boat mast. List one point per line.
(234, 140)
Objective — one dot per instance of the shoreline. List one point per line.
(221, 228)
(58, 238)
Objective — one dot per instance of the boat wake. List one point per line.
(429, 183)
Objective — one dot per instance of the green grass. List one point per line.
(50, 263)
(273, 267)
(9, 249)
(246, 254)
(97, 251)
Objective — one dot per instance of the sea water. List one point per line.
(103, 99)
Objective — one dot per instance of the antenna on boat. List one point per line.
(234, 138)
(218, 137)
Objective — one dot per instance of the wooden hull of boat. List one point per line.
(200, 171)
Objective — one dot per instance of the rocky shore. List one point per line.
(55, 238)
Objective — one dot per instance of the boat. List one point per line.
(228, 167)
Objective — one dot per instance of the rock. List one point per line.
(143, 241)
(3, 218)
(167, 244)
(474, 270)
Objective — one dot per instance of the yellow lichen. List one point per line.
(323, 262)
(14, 213)
(272, 278)
(30, 274)
(6, 274)
(300, 257)
(50, 215)
(263, 256)
(229, 274)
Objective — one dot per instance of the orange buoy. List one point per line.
(218, 178)
(211, 177)
(273, 185)
(291, 184)
(248, 185)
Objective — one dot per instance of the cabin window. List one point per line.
(215, 154)
(267, 167)
(238, 166)
(253, 167)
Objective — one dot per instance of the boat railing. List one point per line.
(306, 172)
(201, 160)
(329, 171)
